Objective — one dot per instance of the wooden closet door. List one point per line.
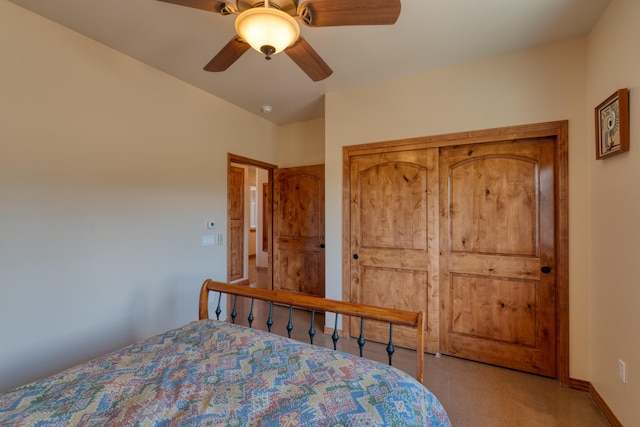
(497, 267)
(393, 238)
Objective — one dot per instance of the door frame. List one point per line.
(268, 209)
(559, 130)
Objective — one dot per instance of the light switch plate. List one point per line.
(209, 240)
(622, 371)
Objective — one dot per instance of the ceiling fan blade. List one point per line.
(227, 55)
(326, 13)
(210, 5)
(308, 60)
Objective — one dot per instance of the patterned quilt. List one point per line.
(213, 373)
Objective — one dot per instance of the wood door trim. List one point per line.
(233, 158)
(509, 133)
(562, 252)
(557, 129)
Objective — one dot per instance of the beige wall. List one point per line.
(544, 84)
(109, 171)
(614, 206)
(301, 144)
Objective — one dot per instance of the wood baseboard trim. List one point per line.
(615, 422)
(586, 386)
(580, 385)
(328, 330)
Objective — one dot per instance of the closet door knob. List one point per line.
(546, 269)
(355, 256)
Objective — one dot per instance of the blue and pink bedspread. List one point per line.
(213, 373)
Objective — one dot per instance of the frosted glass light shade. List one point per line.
(264, 26)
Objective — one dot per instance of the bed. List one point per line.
(211, 372)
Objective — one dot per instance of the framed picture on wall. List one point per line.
(612, 125)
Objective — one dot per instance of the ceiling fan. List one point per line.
(271, 26)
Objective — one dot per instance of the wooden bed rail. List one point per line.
(307, 302)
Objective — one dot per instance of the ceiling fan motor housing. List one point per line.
(288, 6)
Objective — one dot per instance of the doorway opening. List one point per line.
(249, 222)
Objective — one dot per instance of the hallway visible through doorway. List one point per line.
(258, 277)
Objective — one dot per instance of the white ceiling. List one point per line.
(429, 34)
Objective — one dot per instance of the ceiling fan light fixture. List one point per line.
(267, 30)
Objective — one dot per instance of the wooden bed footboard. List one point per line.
(307, 302)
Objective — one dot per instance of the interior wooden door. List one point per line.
(299, 258)
(497, 270)
(236, 215)
(393, 238)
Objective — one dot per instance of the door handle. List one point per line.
(355, 256)
(322, 245)
(546, 269)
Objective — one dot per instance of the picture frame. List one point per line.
(612, 125)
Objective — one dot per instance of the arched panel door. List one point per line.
(299, 258)
(393, 238)
(497, 266)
